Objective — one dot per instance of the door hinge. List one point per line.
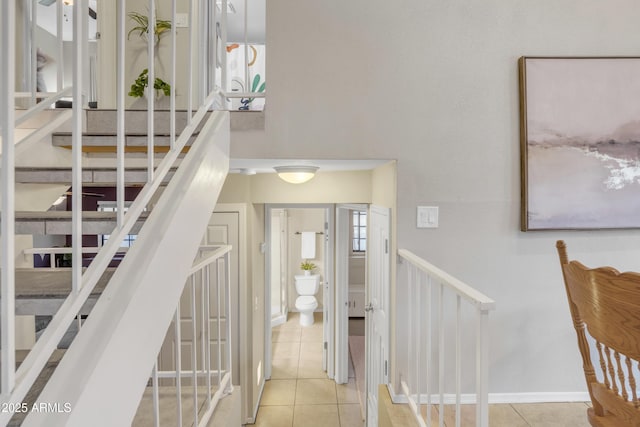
(386, 246)
(325, 345)
(385, 368)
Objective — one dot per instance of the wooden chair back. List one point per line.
(607, 303)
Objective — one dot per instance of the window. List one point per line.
(359, 229)
(110, 206)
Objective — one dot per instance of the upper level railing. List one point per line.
(202, 95)
(435, 323)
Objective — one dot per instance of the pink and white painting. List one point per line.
(580, 143)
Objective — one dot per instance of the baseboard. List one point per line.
(469, 398)
(252, 420)
(541, 397)
(278, 320)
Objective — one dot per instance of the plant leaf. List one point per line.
(256, 81)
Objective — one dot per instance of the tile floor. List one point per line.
(299, 393)
(571, 414)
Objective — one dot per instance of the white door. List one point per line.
(377, 321)
(343, 245)
(327, 307)
(342, 294)
(221, 230)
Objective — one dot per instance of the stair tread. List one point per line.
(66, 215)
(42, 283)
(90, 175)
(112, 134)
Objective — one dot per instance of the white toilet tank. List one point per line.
(307, 285)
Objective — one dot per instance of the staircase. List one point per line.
(123, 315)
(130, 308)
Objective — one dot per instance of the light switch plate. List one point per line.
(427, 217)
(182, 20)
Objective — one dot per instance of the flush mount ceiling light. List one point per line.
(296, 174)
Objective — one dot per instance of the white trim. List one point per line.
(478, 299)
(244, 345)
(278, 320)
(341, 254)
(498, 398)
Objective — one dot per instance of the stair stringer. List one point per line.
(103, 375)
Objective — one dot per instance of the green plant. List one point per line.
(137, 88)
(142, 27)
(254, 88)
(306, 265)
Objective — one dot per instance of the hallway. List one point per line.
(299, 392)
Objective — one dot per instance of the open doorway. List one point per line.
(299, 319)
(341, 245)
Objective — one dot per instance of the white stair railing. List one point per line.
(210, 372)
(433, 301)
(15, 383)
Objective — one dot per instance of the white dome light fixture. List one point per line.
(296, 174)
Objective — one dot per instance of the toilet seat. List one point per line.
(306, 302)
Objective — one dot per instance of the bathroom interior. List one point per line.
(287, 232)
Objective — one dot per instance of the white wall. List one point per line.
(434, 85)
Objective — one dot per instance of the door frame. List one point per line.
(386, 257)
(283, 293)
(329, 283)
(342, 254)
(244, 343)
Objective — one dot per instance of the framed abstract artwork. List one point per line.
(580, 143)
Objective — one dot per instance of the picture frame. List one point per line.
(579, 143)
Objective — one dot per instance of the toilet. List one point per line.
(306, 303)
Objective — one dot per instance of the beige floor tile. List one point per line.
(284, 369)
(499, 416)
(505, 415)
(347, 393)
(350, 415)
(553, 414)
(311, 334)
(279, 392)
(435, 415)
(315, 392)
(311, 351)
(285, 350)
(293, 322)
(286, 335)
(274, 416)
(311, 369)
(316, 416)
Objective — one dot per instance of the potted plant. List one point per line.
(138, 87)
(307, 267)
(142, 29)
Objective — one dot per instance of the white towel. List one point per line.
(308, 245)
